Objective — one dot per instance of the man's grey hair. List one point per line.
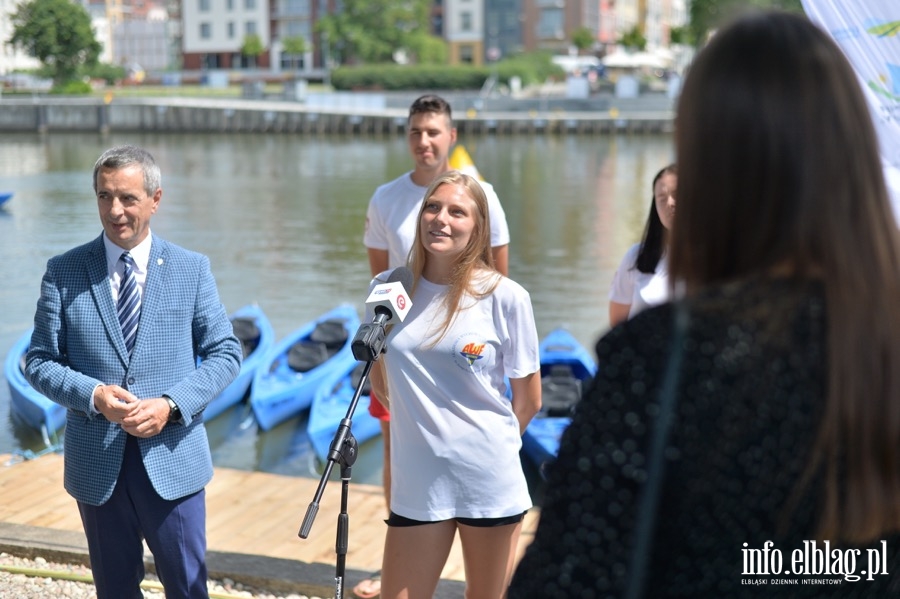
(124, 156)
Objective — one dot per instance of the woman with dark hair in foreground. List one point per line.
(780, 439)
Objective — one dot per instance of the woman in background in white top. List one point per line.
(455, 437)
(642, 279)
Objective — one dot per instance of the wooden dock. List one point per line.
(247, 513)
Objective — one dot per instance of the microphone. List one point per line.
(391, 303)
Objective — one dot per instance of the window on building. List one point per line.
(465, 21)
(296, 29)
(231, 30)
(210, 61)
(205, 31)
(250, 27)
(551, 24)
(292, 61)
(296, 8)
(229, 4)
(250, 4)
(466, 54)
(204, 5)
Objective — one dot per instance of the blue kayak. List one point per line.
(35, 409)
(285, 383)
(254, 331)
(330, 405)
(566, 367)
(4, 196)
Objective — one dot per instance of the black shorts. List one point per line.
(400, 521)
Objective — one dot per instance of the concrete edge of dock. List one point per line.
(271, 574)
(189, 115)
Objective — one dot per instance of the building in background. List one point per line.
(141, 42)
(214, 32)
(476, 31)
(292, 19)
(660, 18)
(135, 34)
(210, 34)
(628, 15)
(607, 31)
(502, 29)
(464, 31)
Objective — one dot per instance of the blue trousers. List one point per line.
(175, 532)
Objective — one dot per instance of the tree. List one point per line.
(295, 47)
(707, 15)
(427, 49)
(295, 44)
(583, 39)
(59, 34)
(633, 39)
(252, 48)
(372, 30)
(682, 35)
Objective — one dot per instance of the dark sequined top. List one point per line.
(749, 401)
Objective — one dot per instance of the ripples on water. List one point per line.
(281, 218)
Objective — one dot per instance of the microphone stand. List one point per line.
(343, 450)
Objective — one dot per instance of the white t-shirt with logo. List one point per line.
(454, 438)
(393, 211)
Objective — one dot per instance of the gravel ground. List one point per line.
(66, 581)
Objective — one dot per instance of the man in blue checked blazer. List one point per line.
(136, 454)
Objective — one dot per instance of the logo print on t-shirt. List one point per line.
(472, 352)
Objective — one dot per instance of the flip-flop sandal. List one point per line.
(368, 588)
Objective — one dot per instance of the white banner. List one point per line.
(868, 31)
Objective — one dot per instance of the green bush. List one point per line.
(397, 77)
(531, 68)
(72, 88)
(108, 72)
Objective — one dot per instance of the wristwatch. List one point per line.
(174, 410)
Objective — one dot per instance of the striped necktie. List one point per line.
(129, 307)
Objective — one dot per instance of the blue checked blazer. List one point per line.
(77, 344)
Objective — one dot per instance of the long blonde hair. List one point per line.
(475, 257)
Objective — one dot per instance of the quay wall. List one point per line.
(189, 115)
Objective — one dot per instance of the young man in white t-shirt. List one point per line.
(391, 229)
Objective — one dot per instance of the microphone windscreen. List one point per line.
(402, 275)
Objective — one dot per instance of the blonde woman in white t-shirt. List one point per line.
(642, 279)
(455, 437)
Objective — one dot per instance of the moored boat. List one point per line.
(284, 385)
(34, 408)
(330, 405)
(4, 196)
(254, 331)
(566, 367)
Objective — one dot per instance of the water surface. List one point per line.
(281, 218)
